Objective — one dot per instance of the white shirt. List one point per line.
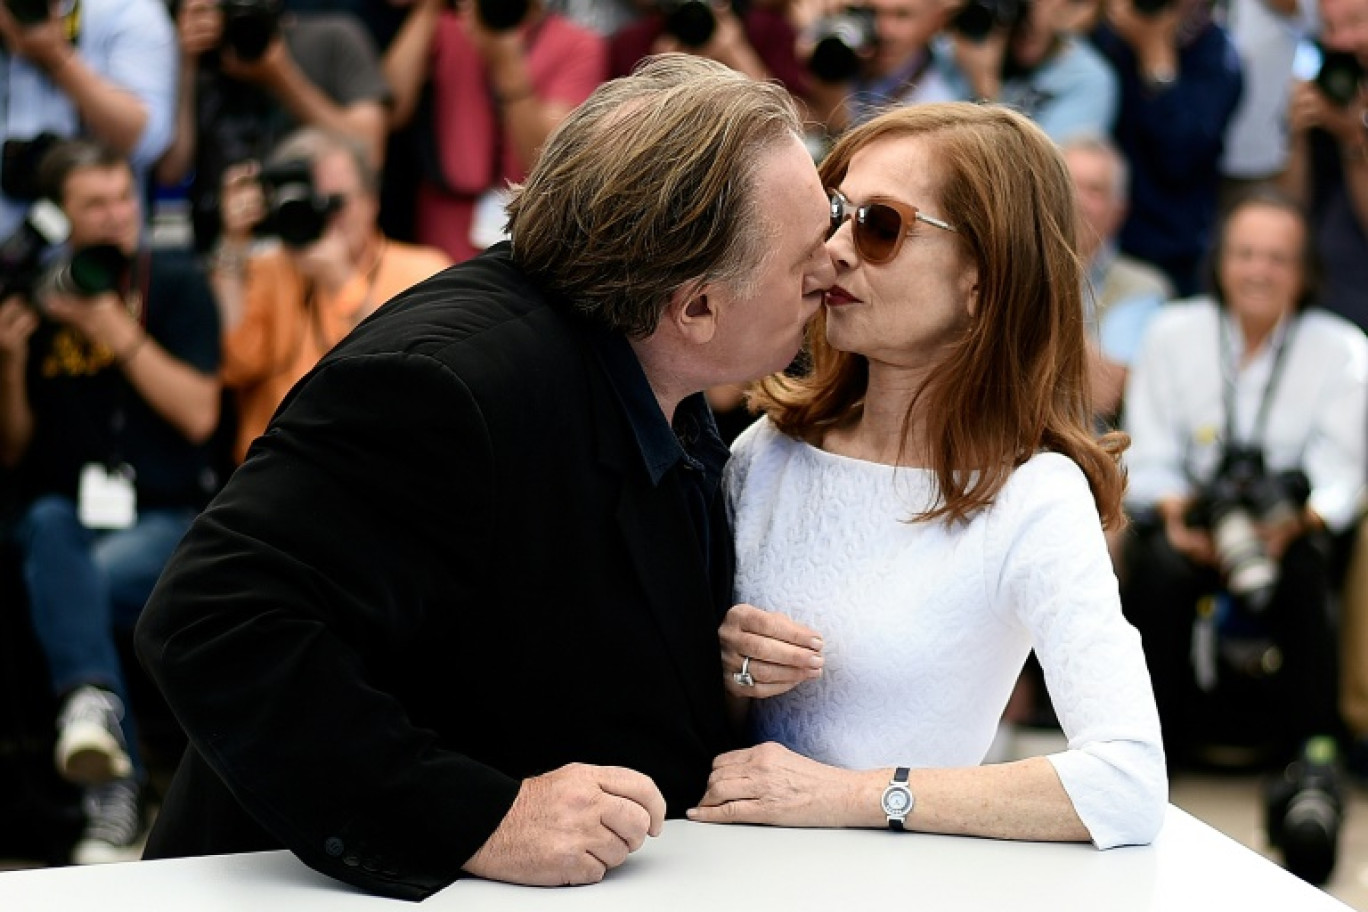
(1317, 416)
(926, 626)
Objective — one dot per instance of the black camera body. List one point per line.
(19, 167)
(295, 211)
(1151, 8)
(690, 22)
(1242, 495)
(29, 12)
(502, 15)
(84, 273)
(840, 42)
(978, 19)
(1304, 809)
(249, 26)
(1339, 76)
(21, 254)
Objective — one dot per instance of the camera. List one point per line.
(249, 26)
(29, 12)
(295, 212)
(1338, 74)
(1150, 7)
(501, 15)
(19, 165)
(691, 22)
(1241, 495)
(978, 19)
(21, 254)
(1304, 807)
(86, 272)
(840, 42)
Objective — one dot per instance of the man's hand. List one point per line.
(102, 319)
(267, 71)
(783, 653)
(1194, 544)
(199, 27)
(981, 61)
(45, 43)
(242, 203)
(570, 826)
(1153, 36)
(1308, 107)
(17, 323)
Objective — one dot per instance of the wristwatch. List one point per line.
(898, 800)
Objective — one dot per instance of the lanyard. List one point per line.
(1230, 372)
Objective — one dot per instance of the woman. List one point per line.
(924, 508)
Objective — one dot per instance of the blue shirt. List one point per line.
(131, 43)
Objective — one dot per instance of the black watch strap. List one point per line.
(899, 778)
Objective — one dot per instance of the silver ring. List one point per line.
(744, 677)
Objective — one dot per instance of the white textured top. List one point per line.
(926, 626)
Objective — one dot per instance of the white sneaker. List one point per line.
(90, 742)
(113, 830)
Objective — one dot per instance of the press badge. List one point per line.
(106, 499)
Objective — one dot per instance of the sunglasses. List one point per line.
(879, 228)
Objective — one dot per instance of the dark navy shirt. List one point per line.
(692, 447)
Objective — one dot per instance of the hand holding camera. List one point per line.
(31, 30)
(17, 323)
(1151, 29)
(1310, 108)
(199, 27)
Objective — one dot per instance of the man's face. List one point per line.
(905, 28)
(1261, 263)
(1099, 204)
(760, 328)
(1344, 26)
(335, 174)
(102, 205)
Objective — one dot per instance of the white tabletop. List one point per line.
(754, 869)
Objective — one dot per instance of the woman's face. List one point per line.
(906, 311)
(1261, 263)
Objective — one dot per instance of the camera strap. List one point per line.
(1230, 376)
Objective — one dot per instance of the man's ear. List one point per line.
(692, 310)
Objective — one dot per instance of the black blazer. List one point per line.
(443, 569)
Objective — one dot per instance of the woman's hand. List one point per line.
(772, 785)
(783, 653)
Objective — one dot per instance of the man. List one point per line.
(1327, 165)
(902, 68)
(102, 68)
(1123, 292)
(457, 612)
(1180, 81)
(1035, 65)
(283, 308)
(235, 101)
(105, 402)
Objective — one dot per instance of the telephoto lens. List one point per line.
(1305, 808)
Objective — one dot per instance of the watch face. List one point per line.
(896, 801)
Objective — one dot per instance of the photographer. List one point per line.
(106, 397)
(282, 309)
(760, 42)
(503, 74)
(1222, 383)
(1327, 165)
(104, 68)
(248, 76)
(1019, 53)
(897, 64)
(1180, 80)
